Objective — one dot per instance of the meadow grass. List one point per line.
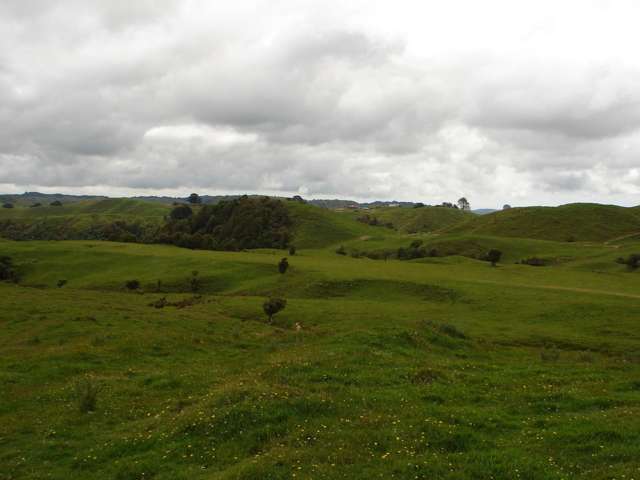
(435, 368)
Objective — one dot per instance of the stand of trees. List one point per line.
(229, 225)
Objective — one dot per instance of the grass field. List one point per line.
(437, 368)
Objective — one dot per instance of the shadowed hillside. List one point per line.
(573, 222)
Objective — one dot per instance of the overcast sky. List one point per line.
(520, 102)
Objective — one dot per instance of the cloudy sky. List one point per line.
(525, 102)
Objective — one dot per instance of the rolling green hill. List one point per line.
(313, 227)
(316, 227)
(573, 222)
(420, 220)
(90, 219)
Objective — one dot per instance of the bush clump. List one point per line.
(8, 272)
(132, 284)
(632, 261)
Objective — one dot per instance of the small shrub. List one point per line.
(341, 250)
(7, 205)
(283, 265)
(132, 284)
(549, 354)
(35, 205)
(426, 376)
(194, 281)
(56, 203)
(586, 357)
(273, 306)
(292, 250)
(160, 303)
(61, 283)
(87, 391)
(534, 262)
(451, 331)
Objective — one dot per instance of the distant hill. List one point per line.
(29, 198)
(483, 211)
(577, 221)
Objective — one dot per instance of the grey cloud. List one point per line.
(328, 108)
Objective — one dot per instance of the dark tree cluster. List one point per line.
(373, 221)
(7, 205)
(237, 224)
(416, 250)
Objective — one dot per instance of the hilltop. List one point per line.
(572, 222)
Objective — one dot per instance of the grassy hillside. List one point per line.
(579, 222)
(317, 227)
(446, 370)
(418, 220)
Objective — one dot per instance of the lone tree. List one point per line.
(493, 256)
(463, 204)
(273, 306)
(292, 250)
(56, 203)
(194, 199)
(506, 206)
(283, 265)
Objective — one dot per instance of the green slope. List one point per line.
(420, 220)
(573, 222)
(398, 370)
(317, 227)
